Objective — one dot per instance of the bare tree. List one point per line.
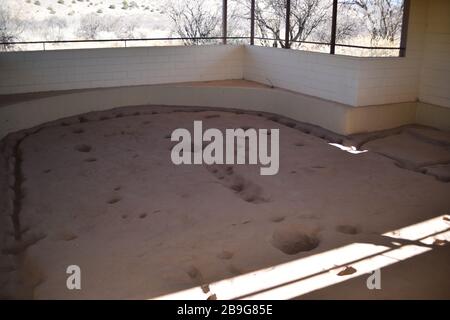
(383, 18)
(54, 28)
(309, 20)
(238, 24)
(10, 28)
(90, 26)
(269, 17)
(346, 27)
(307, 17)
(194, 20)
(126, 28)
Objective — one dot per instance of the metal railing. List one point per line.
(128, 40)
(335, 44)
(124, 41)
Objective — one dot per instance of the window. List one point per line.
(270, 22)
(363, 27)
(310, 25)
(369, 23)
(238, 22)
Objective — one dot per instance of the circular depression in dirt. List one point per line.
(295, 239)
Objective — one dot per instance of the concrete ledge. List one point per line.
(339, 118)
(25, 114)
(434, 116)
(374, 118)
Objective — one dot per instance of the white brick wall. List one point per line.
(90, 68)
(423, 74)
(435, 76)
(392, 80)
(387, 80)
(322, 75)
(351, 80)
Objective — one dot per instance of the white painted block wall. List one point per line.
(349, 80)
(322, 75)
(435, 76)
(93, 68)
(356, 81)
(393, 80)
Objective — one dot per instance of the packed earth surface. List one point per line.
(100, 191)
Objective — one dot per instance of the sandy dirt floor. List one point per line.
(100, 191)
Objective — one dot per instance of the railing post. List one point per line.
(287, 40)
(405, 21)
(252, 22)
(333, 27)
(224, 21)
